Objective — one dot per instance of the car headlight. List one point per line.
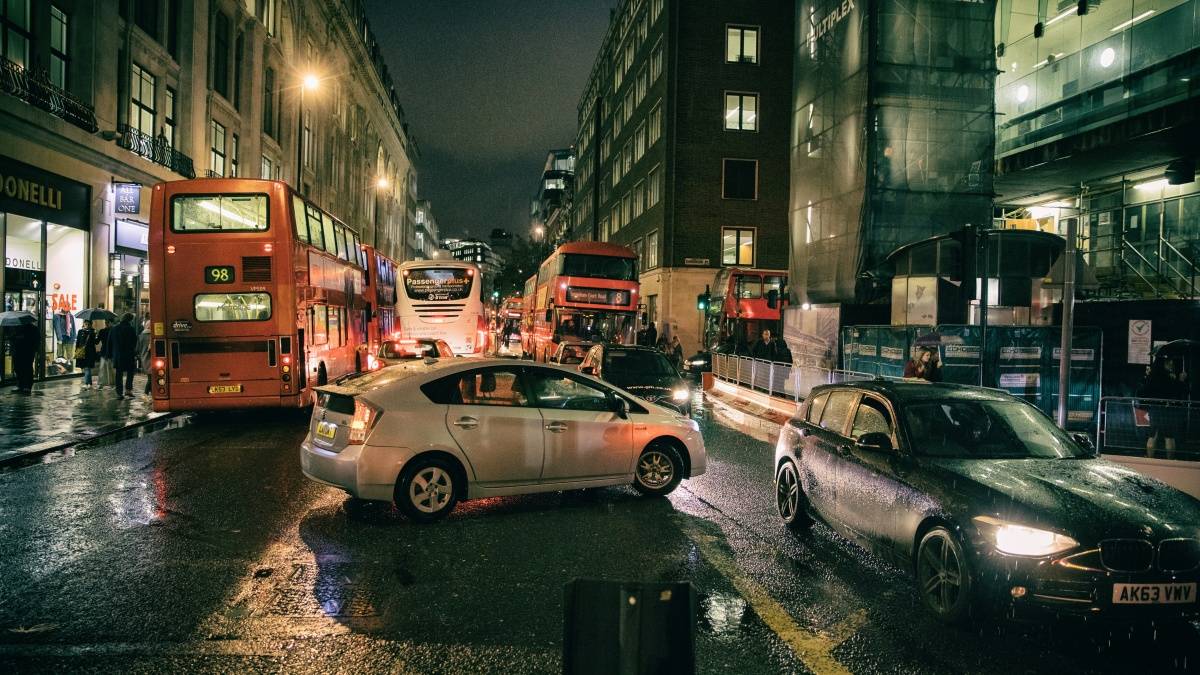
(697, 362)
(681, 394)
(1023, 540)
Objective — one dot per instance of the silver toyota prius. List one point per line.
(429, 435)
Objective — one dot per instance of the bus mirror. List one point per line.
(772, 298)
(549, 315)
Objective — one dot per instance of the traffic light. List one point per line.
(703, 300)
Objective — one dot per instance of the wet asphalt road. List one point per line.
(203, 548)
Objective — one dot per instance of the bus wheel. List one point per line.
(322, 375)
(357, 362)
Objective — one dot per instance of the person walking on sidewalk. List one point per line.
(23, 345)
(104, 352)
(143, 353)
(123, 349)
(86, 353)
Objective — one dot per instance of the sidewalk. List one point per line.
(62, 412)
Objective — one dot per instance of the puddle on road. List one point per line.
(159, 424)
(722, 615)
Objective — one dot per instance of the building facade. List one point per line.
(101, 99)
(427, 242)
(480, 252)
(550, 209)
(683, 146)
(1099, 123)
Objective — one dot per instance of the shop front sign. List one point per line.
(35, 193)
(129, 197)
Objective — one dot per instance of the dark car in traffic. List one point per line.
(988, 503)
(643, 371)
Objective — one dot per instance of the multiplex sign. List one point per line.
(826, 23)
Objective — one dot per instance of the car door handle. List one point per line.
(466, 422)
(804, 432)
(556, 427)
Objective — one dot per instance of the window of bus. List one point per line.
(432, 284)
(220, 307)
(318, 329)
(749, 287)
(315, 232)
(298, 214)
(219, 213)
(335, 327)
(598, 267)
(773, 283)
(596, 326)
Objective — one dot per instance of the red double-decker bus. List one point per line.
(744, 303)
(586, 291)
(381, 295)
(260, 295)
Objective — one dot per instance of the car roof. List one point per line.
(631, 348)
(917, 390)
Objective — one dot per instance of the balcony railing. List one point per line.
(35, 88)
(157, 150)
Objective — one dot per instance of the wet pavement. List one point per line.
(61, 412)
(202, 548)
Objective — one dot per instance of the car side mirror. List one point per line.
(621, 407)
(875, 442)
(588, 370)
(1084, 441)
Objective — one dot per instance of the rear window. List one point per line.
(428, 284)
(219, 213)
(402, 349)
(213, 307)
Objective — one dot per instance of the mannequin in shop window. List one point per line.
(64, 340)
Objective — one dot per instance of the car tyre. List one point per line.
(945, 581)
(426, 489)
(789, 498)
(658, 471)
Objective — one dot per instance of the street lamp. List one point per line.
(114, 269)
(382, 183)
(145, 274)
(308, 81)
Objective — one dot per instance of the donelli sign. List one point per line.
(32, 192)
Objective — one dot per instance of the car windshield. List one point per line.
(626, 363)
(407, 349)
(973, 429)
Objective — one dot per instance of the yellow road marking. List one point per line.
(812, 648)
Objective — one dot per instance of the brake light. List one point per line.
(372, 362)
(287, 360)
(159, 363)
(365, 417)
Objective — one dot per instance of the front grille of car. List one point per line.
(1178, 555)
(1127, 555)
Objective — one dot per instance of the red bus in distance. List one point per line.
(260, 295)
(740, 309)
(586, 291)
(380, 292)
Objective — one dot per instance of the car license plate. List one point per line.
(1153, 594)
(225, 389)
(326, 429)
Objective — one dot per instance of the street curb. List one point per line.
(27, 455)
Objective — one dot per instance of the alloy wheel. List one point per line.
(787, 492)
(431, 489)
(940, 572)
(655, 470)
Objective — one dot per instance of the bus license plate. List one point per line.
(1153, 594)
(326, 429)
(225, 389)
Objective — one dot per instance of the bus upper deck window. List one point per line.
(219, 213)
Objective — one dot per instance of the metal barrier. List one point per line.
(779, 379)
(1149, 427)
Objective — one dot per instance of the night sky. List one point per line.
(488, 87)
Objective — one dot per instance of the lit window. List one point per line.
(737, 246)
(652, 250)
(14, 17)
(656, 61)
(639, 142)
(653, 186)
(59, 59)
(169, 117)
(741, 44)
(741, 111)
(639, 196)
(141, 100)
(656, 118)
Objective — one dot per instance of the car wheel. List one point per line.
(425, 491)
(789, 498)
(944, 576)
(659, 470)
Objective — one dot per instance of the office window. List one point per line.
(604, 229)
(640, 251)
(616, 216)
(653, 186)
(651, 252)
(627, 155)
(14, 14)
(169, 117)
(618, 70)
(604, 183)
(630, 102)
(59, 58)
(739, 179)
(639, 142)
(656, 8)
(233, 156)
(268, 120)
(220, 62)
(627, 207)
(141, 100)
(741, 44)
(145, 16)
(643, 83)
(737, 246)
(267, 170)
(264, 11)
(605, 146)
(643, 27)
(217, 155)
(656, 119)
(639, 196)
(238, 58)
(630, 50)
(741, 111)
(616, 124)
(656, 61)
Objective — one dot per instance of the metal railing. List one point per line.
(157, 150)
(35, 88)
(1149, 427)
(779, 379)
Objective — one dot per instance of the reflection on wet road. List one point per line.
(203, 548)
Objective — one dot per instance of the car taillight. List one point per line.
(372, 362)
(365, 417)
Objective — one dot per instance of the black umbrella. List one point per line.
(17, 318)
(95, 313)
(1178, 348)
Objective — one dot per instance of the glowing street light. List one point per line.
(310, 81)
(382, 183)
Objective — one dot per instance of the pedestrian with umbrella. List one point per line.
(102, 344)
(20, 328)
(86, 354)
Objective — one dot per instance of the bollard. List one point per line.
(630, 628)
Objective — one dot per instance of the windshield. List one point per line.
(595, 326)
(431, 284)
(986, 430)
(573, 353)
(598, 267)
(641, 363)
(407, 349)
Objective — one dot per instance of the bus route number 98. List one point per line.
(219, 274)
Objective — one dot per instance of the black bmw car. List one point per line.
(643, 371)
(988, 503)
